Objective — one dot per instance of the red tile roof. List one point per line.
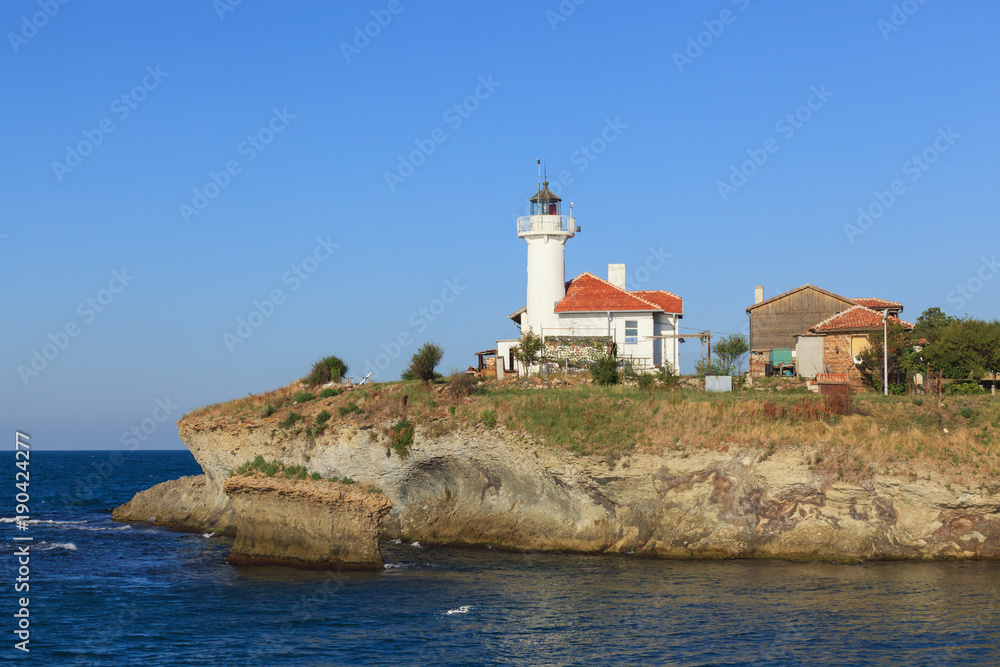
(877, 303)
(669, 302)
(854, 319)
(588, 293)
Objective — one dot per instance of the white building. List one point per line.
(587, 310)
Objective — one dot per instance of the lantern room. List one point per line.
(545, 202)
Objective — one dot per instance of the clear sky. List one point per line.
(170, 167)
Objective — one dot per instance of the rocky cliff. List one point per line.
(305, 524)
(479, 487)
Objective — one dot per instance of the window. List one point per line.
(631, 331)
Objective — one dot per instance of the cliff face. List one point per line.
(305, 524)
(479, 487)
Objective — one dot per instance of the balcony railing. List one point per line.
(552, 224)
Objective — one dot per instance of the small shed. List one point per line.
(487, 362)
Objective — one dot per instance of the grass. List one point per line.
(401, 438)
(895, 433)
(350, 408)
(261, 466)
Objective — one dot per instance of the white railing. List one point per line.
(552, 224)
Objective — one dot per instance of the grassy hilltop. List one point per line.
(854, 439)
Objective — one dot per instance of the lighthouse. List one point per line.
(546, 231)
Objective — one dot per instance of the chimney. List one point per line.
(758, 294)
(616, 275)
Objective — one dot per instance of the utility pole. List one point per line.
(885, 351)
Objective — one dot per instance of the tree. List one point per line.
(966, 350)
(529, 351)
(327, 369)
(902, 356)
(424, 361)
(931, 322)
(730, 352)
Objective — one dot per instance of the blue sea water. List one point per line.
(104, 593)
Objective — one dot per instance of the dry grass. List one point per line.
(959, 439)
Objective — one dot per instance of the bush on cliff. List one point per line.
(424, 362)
(327, 369)
(259, 464)
(401, 438)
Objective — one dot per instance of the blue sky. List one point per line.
(215, 154)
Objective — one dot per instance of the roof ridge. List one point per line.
(676, 296)
(843, 312)
(816, 327)
(620, 289)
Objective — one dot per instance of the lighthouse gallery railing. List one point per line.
(546, 223)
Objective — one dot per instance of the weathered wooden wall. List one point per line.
(775, 324)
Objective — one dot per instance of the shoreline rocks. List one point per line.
(478, 487)
(305, 524)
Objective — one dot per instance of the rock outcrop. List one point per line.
(306, 524)
(479, 487)
(194, 503)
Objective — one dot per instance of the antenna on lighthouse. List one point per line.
(539, 161)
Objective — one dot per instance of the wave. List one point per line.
(33, 522)
(464, 609)
(416, 545)
(49, 546)
(67, 525)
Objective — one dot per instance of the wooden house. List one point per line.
(777, 323)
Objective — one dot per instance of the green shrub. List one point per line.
(316, 476)
(346, 480)
(297, 472)
(461, 385)
(330, 392)
(322, 418)
(290, 420)
(345, 410)
(259, 464)
(488, 418)
(402, 438)
(917, 401)
(268, 410)
(967, 412)
(963, 389)
(604, 369)
(422, 363)
(327, 369)
(303, 396)
(451, 410)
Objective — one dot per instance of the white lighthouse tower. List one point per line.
(546, 230)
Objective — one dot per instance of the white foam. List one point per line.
(416, 545)
(35, 522)
(464, 609)
(207, 535)
(70, 525)
(49, 546)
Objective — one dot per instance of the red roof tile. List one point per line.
(853, 319)
(877, 303)
(669, 302)
(588, 293)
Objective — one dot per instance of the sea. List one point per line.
(106, 593)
